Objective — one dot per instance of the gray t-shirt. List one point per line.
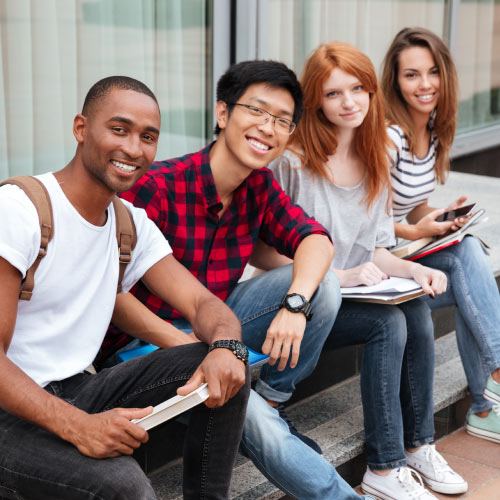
(355, 231)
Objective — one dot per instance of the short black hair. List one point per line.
(236, 80)
(103, 87)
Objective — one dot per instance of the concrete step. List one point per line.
(333, 418)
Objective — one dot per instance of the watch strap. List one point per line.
(239, 349)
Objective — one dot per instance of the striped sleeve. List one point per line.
(413, 179)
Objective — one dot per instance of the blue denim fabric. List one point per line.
(396, 374)
(472, 288)
(285, 460)
(256, 303)
(35, 463)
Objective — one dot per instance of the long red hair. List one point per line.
(315, 137)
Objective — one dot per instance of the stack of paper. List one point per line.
(391, 291)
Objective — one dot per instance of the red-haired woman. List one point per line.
(337, 169)
(420, 85)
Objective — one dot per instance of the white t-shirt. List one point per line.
(59, 331)
(355, 230)
(413, 179)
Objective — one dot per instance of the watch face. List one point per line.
(295, 301)
(241, 351)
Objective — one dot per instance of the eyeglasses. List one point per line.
(261, 117)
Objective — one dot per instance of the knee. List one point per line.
(419, 319)
(125, 481)
(390, 328)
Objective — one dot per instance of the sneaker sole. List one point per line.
(378, 495)
(481, 433)
(446, 488)
(492, 396)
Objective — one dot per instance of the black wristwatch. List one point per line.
(238, 348)
(295, 303)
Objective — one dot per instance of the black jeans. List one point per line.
(38, 465)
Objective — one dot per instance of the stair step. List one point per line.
(333, 418)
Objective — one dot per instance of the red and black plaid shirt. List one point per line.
(179, 195)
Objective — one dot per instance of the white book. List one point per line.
(173, 407)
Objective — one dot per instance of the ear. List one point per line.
(221, 114)
(80, 128)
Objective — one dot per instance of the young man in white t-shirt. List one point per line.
(55, 418)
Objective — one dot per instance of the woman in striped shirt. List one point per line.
(419, 81)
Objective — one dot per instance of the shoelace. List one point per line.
(496, 410)
(413, 485)
(436, 460)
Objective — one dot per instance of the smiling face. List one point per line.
(246, 143)
(118, 138)
(419, 80)
(345, 102)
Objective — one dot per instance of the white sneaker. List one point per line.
(435, 471)
(401, 484)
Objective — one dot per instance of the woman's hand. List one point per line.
(432, 281)
(428, 226)
(364, 274)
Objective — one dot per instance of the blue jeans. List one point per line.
(397, 374)
(256, 302)
(473, 289)
(35, 463)
(285, 460)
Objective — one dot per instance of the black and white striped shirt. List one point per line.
(413, 179)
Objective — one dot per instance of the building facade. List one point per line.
(52, 51)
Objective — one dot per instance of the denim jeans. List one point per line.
(396, 374)
(473, 289)
(285, 460)
(256, 302)
(36, 464)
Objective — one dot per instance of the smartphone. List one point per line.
(458, 212)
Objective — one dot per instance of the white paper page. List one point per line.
(391, 285)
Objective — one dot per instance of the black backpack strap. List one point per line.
(37, 193)
(126, 236)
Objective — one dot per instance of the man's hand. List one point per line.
(431, 280)
(367, 273)
(110, 434)
(224, 374)
(285, 333)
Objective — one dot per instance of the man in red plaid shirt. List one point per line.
(213, 206)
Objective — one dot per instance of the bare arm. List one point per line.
(432, 281)
(101, 435)
(422, 221)
(311, 262)
(266, 257)
(134, 318)
(211, 319)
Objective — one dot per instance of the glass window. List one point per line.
(294, 28)
(51, 52)
(297, 27)
(478, 63)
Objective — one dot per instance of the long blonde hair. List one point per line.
(446, 111)
(316, 137)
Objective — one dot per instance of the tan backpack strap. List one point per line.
(37, 193)
(126, 236)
